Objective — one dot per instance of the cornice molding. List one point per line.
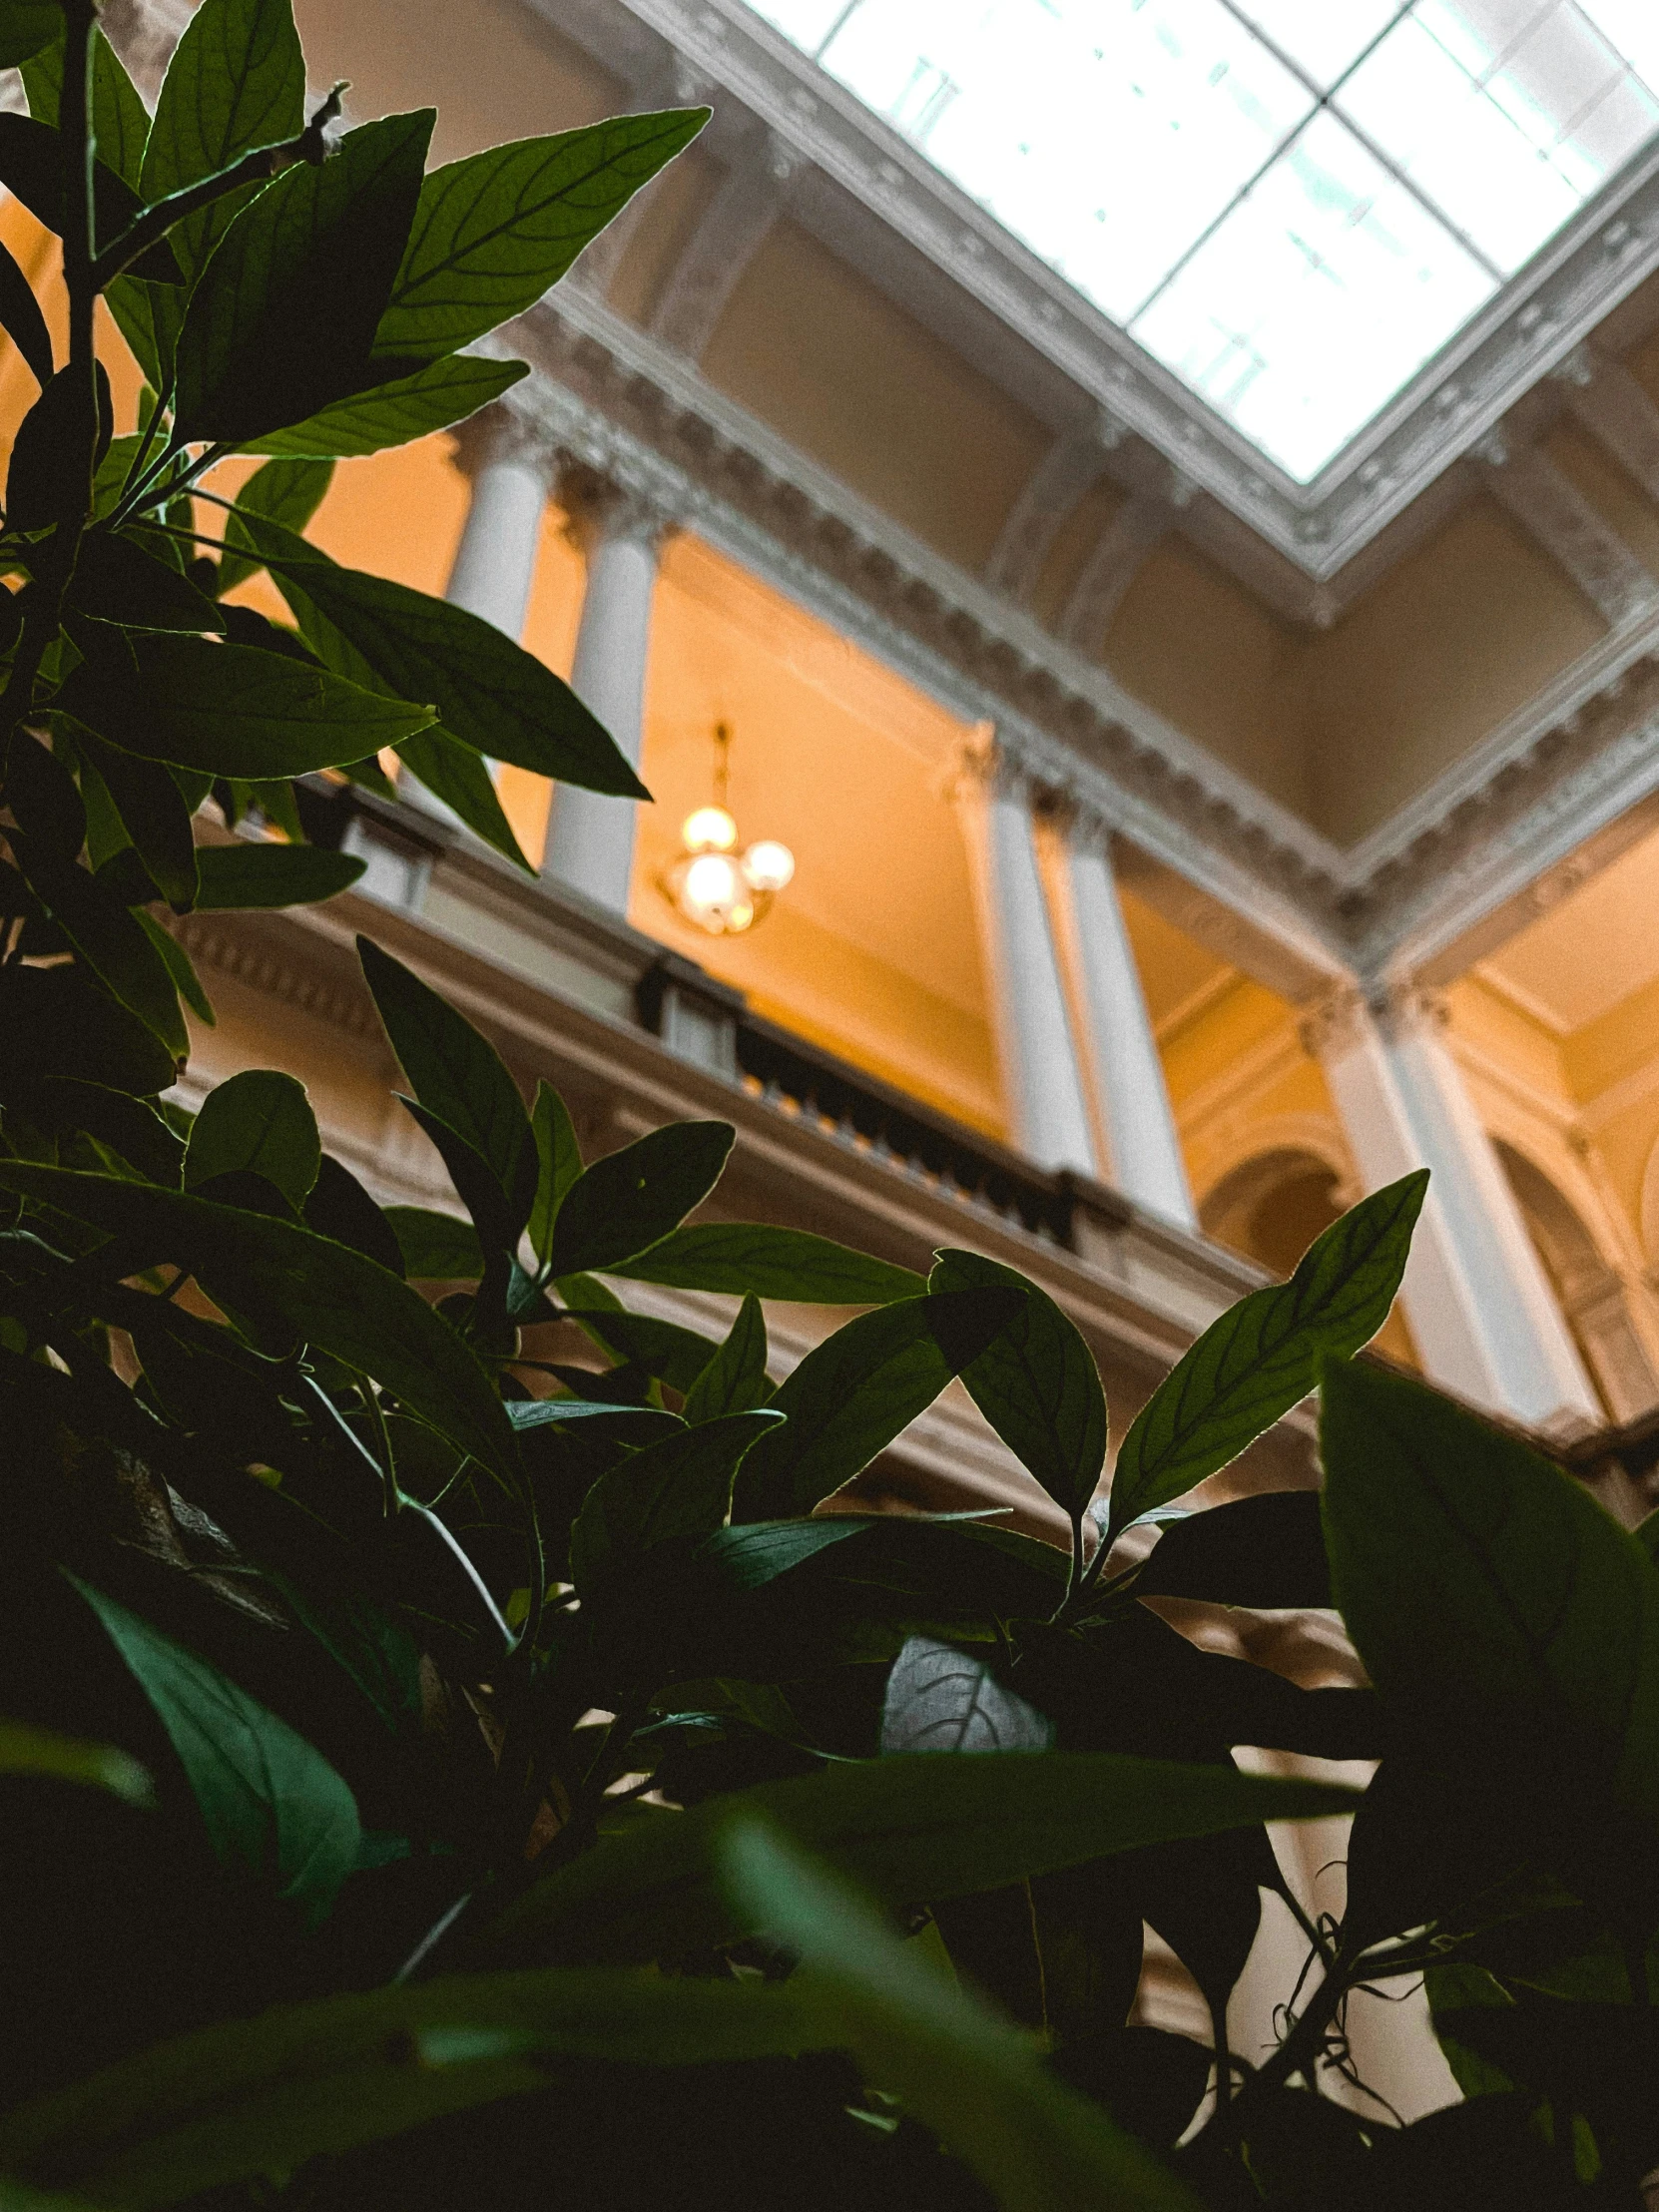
(1597, 261)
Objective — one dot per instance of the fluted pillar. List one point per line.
(1484, 1316)
(510, 464)
(590, 843)
(1042, 1085)
(1143, 1152)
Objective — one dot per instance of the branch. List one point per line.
(154, 223)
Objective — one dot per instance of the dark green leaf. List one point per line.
(1203, 1895)
(665, 1352)
(454, 1072)
(476, 1183)
(940, 1699)
(631, 1425)
(236, 80)
(117, 580)
(237, 2103)
(1266, 1551)
(456, 775)
(58, 1022)
(488, 692)
(108, 937)
(437, 1248)
(750, 1554)
(680, 1486)
(42, 796)
(291, 1287)
(338, 1205)
(1262, 1356)
(735, 1379)
(494, 230)
(409, 407)
(973, 2077)
(119, 123)
(558, 1163)
(1647, 1535)
(282, 315)
(631, 1200)
(243, 875)
(49, 478)
(22, 320)
(126, 1126)
(907, 1828)
(261, 1122)
(855, 1393)
(229, 709)
(25, 27)
(1037, 1384)
(273, 1807)
(786, 1264)
(1494, 1605)
(179, 967)
(30, 164)
(1149, 2080)
(285, 492)
(41, 1751)
(155, 816)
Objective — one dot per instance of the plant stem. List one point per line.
(1298, 2053)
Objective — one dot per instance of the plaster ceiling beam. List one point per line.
(1617, 413)
(752, 195)
(1111, 568)
(1559, 518)
(1067, 473)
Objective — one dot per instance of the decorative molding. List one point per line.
(1521, 336)
(1067, 473)
(1110, 570)
(501, 433)
(1615, 410)
(1556, 514)
(752, 195)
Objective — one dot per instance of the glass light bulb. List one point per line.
(709, 830)
(768, 864)
(711, 884)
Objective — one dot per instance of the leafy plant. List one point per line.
(485, 1720)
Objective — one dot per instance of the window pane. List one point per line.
(807, 22)
(1323, 37)
(1319, 295)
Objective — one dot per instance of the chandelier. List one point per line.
(712, 883)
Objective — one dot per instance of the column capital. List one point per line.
(504, 432)
(1409, 1009)
(603, 508)
(988, 763)
(1334, 1022)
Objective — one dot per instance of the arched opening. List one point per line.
(1272, 1208)
(1593, 1300)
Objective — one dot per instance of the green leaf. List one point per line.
(457, 776)
(25, 27)
(630, 1200)
(1037, 1384)
(433, 398)
(1262, 1356)
(230, 710)
(1265, 1550)
(497, 1220)
(290, 1286)
(786, 1264)
(49, 476)
(907, 1828)
(750, 1554)
(940, 1698)
(734, 1379)
(42, 796)
(119, 122)
(58, 1022)
(179, 967)
(237, 876)
(1647, 1535)
(558, 1163)
(283, 314)
(664, 1351)
(973, 2077)
(494, 230)
(437, 1248)
(488, 691)
(285, 492)
(1494, 1605)
(30, 164)
(155, 816)
(454, 1072)
(859, 1389)
(239, 2102)
(107, 938)
(338, 1205)
(22, 320)
(117, 580)
(236, 80)
(259, 1122)
(42, 1751)
(680, 1486)
(273, 1805)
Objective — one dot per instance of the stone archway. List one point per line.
(1594, 1298)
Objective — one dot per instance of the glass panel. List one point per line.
(1323, 37)
(807, 22)
(1105, 133)
(1631, 27)
(1322, 294)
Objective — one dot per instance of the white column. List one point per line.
(1041, 1083)
(1143, 1152)
(1485, 1322)
(495, 562)
(590, 842)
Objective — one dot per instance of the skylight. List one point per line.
(1292, 204)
